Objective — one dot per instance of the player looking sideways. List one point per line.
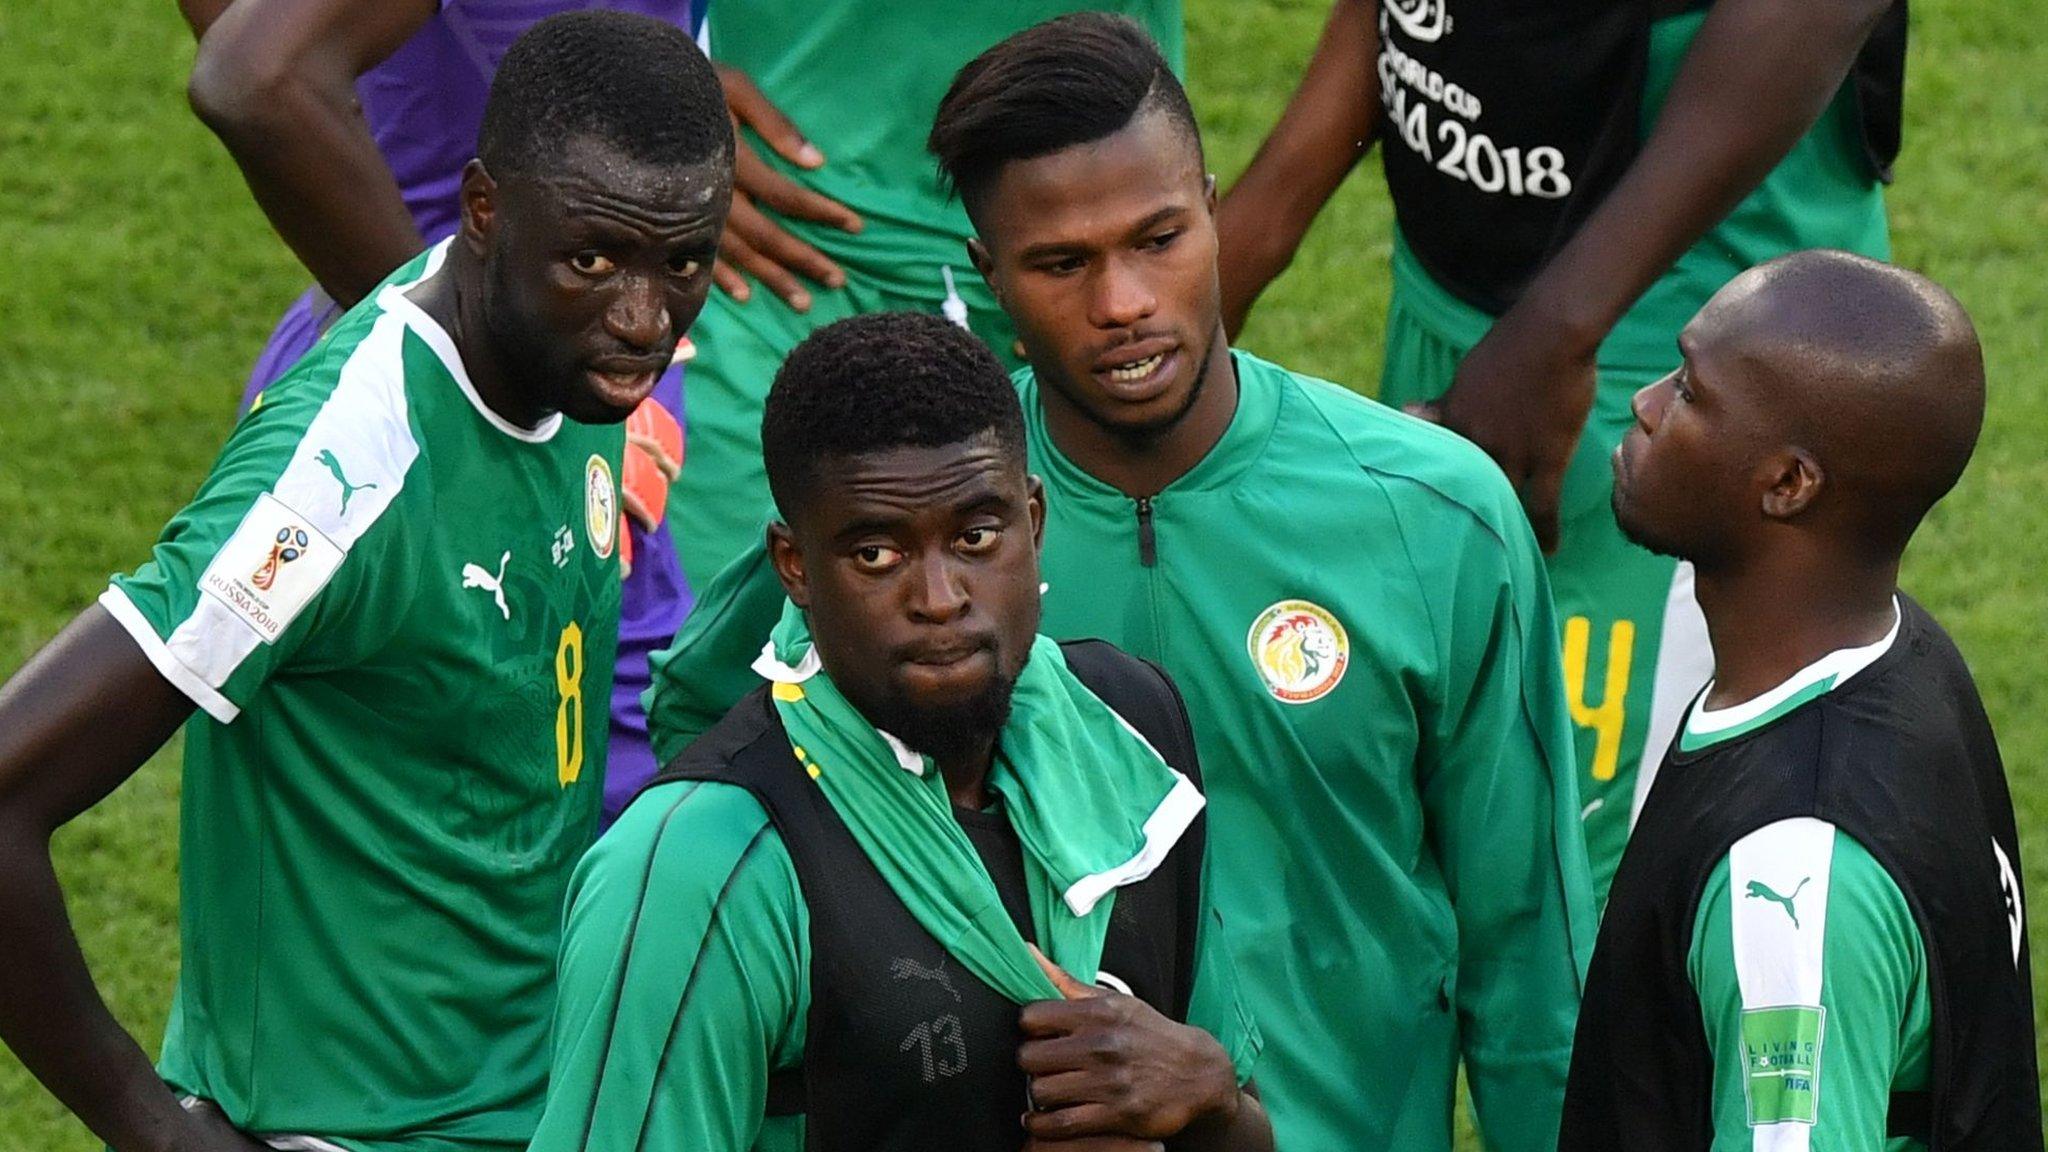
(842, 932)
(839, 212)
(1570, 184)
(1349, 598)
(352, 120)
(1818, 939)
(395, 600)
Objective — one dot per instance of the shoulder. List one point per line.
(1800, 896)
(1424, 471)
(687, 844)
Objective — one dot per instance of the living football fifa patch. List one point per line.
(600, 506)
(1781, 1063)
(271, 568)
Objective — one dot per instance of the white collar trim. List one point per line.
(1837, 666)
(394, 300)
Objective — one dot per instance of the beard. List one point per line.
(950, 731)
(1640, 535)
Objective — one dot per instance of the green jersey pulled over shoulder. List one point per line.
(398, 614)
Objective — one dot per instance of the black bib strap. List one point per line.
(786, 1095)
(1912, 1116)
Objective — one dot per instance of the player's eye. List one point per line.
(1162, 241)
(1680, 386)
(980, 540)
(875, 557)
(684, 266)
(1063, 266)
(591, 263)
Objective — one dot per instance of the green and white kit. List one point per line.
(398, 613)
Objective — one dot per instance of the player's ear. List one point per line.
(1795, 480)
(1209, 193)
(1036, 498)
(977, 254)
(479, 206)
(789, 564)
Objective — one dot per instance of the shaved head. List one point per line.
(1873, 369)
(1823, 393)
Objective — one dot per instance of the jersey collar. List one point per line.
(1705, 726)
(392, 299)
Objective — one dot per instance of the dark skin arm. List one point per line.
(1331, 121)
(1758, 75)
(275, 80)
(1109, 1067)
(75, 722)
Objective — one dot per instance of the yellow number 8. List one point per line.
(569, 715)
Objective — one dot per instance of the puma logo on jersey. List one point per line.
(2009, 889)
(347, 489)
(1760, 890)
(904, 968)
(474, 576)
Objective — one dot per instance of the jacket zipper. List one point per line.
(1148, 548)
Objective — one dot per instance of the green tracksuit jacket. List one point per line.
(1355, 609)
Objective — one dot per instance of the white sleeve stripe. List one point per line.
(184, 679)
(1778, 908)
(361, 433)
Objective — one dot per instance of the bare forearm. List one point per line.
(317, 174)
(275, 80)
(1330, 122)
(52, 1017)
(75, 722)
(1757, 77)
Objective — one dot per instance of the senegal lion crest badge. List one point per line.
(1299, 649)
(600, 506)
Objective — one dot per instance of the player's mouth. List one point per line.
(623, 383)
(1137, 372)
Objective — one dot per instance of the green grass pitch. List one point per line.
(141, 281)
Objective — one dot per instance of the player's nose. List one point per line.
(637, 314)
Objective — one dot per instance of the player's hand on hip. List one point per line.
(1522, 394)
(753, 242)
(1105, 1064)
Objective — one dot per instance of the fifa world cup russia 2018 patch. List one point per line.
(600, 506)
(271, 568)
(1299, 649)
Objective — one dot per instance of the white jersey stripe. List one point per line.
(349, 467)
(1778, 910)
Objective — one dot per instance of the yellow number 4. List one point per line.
(569, 715)
(1607, 718)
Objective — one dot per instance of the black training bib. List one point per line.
(1506, 122)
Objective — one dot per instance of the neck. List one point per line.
(454, 298)
(966, 774)
(1766, 622)
(1142, 466)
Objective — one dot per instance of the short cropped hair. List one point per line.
(631, 81)
(1068, 81)
(879, 382)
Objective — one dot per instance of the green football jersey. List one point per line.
(1355, 609)
(398, 613)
